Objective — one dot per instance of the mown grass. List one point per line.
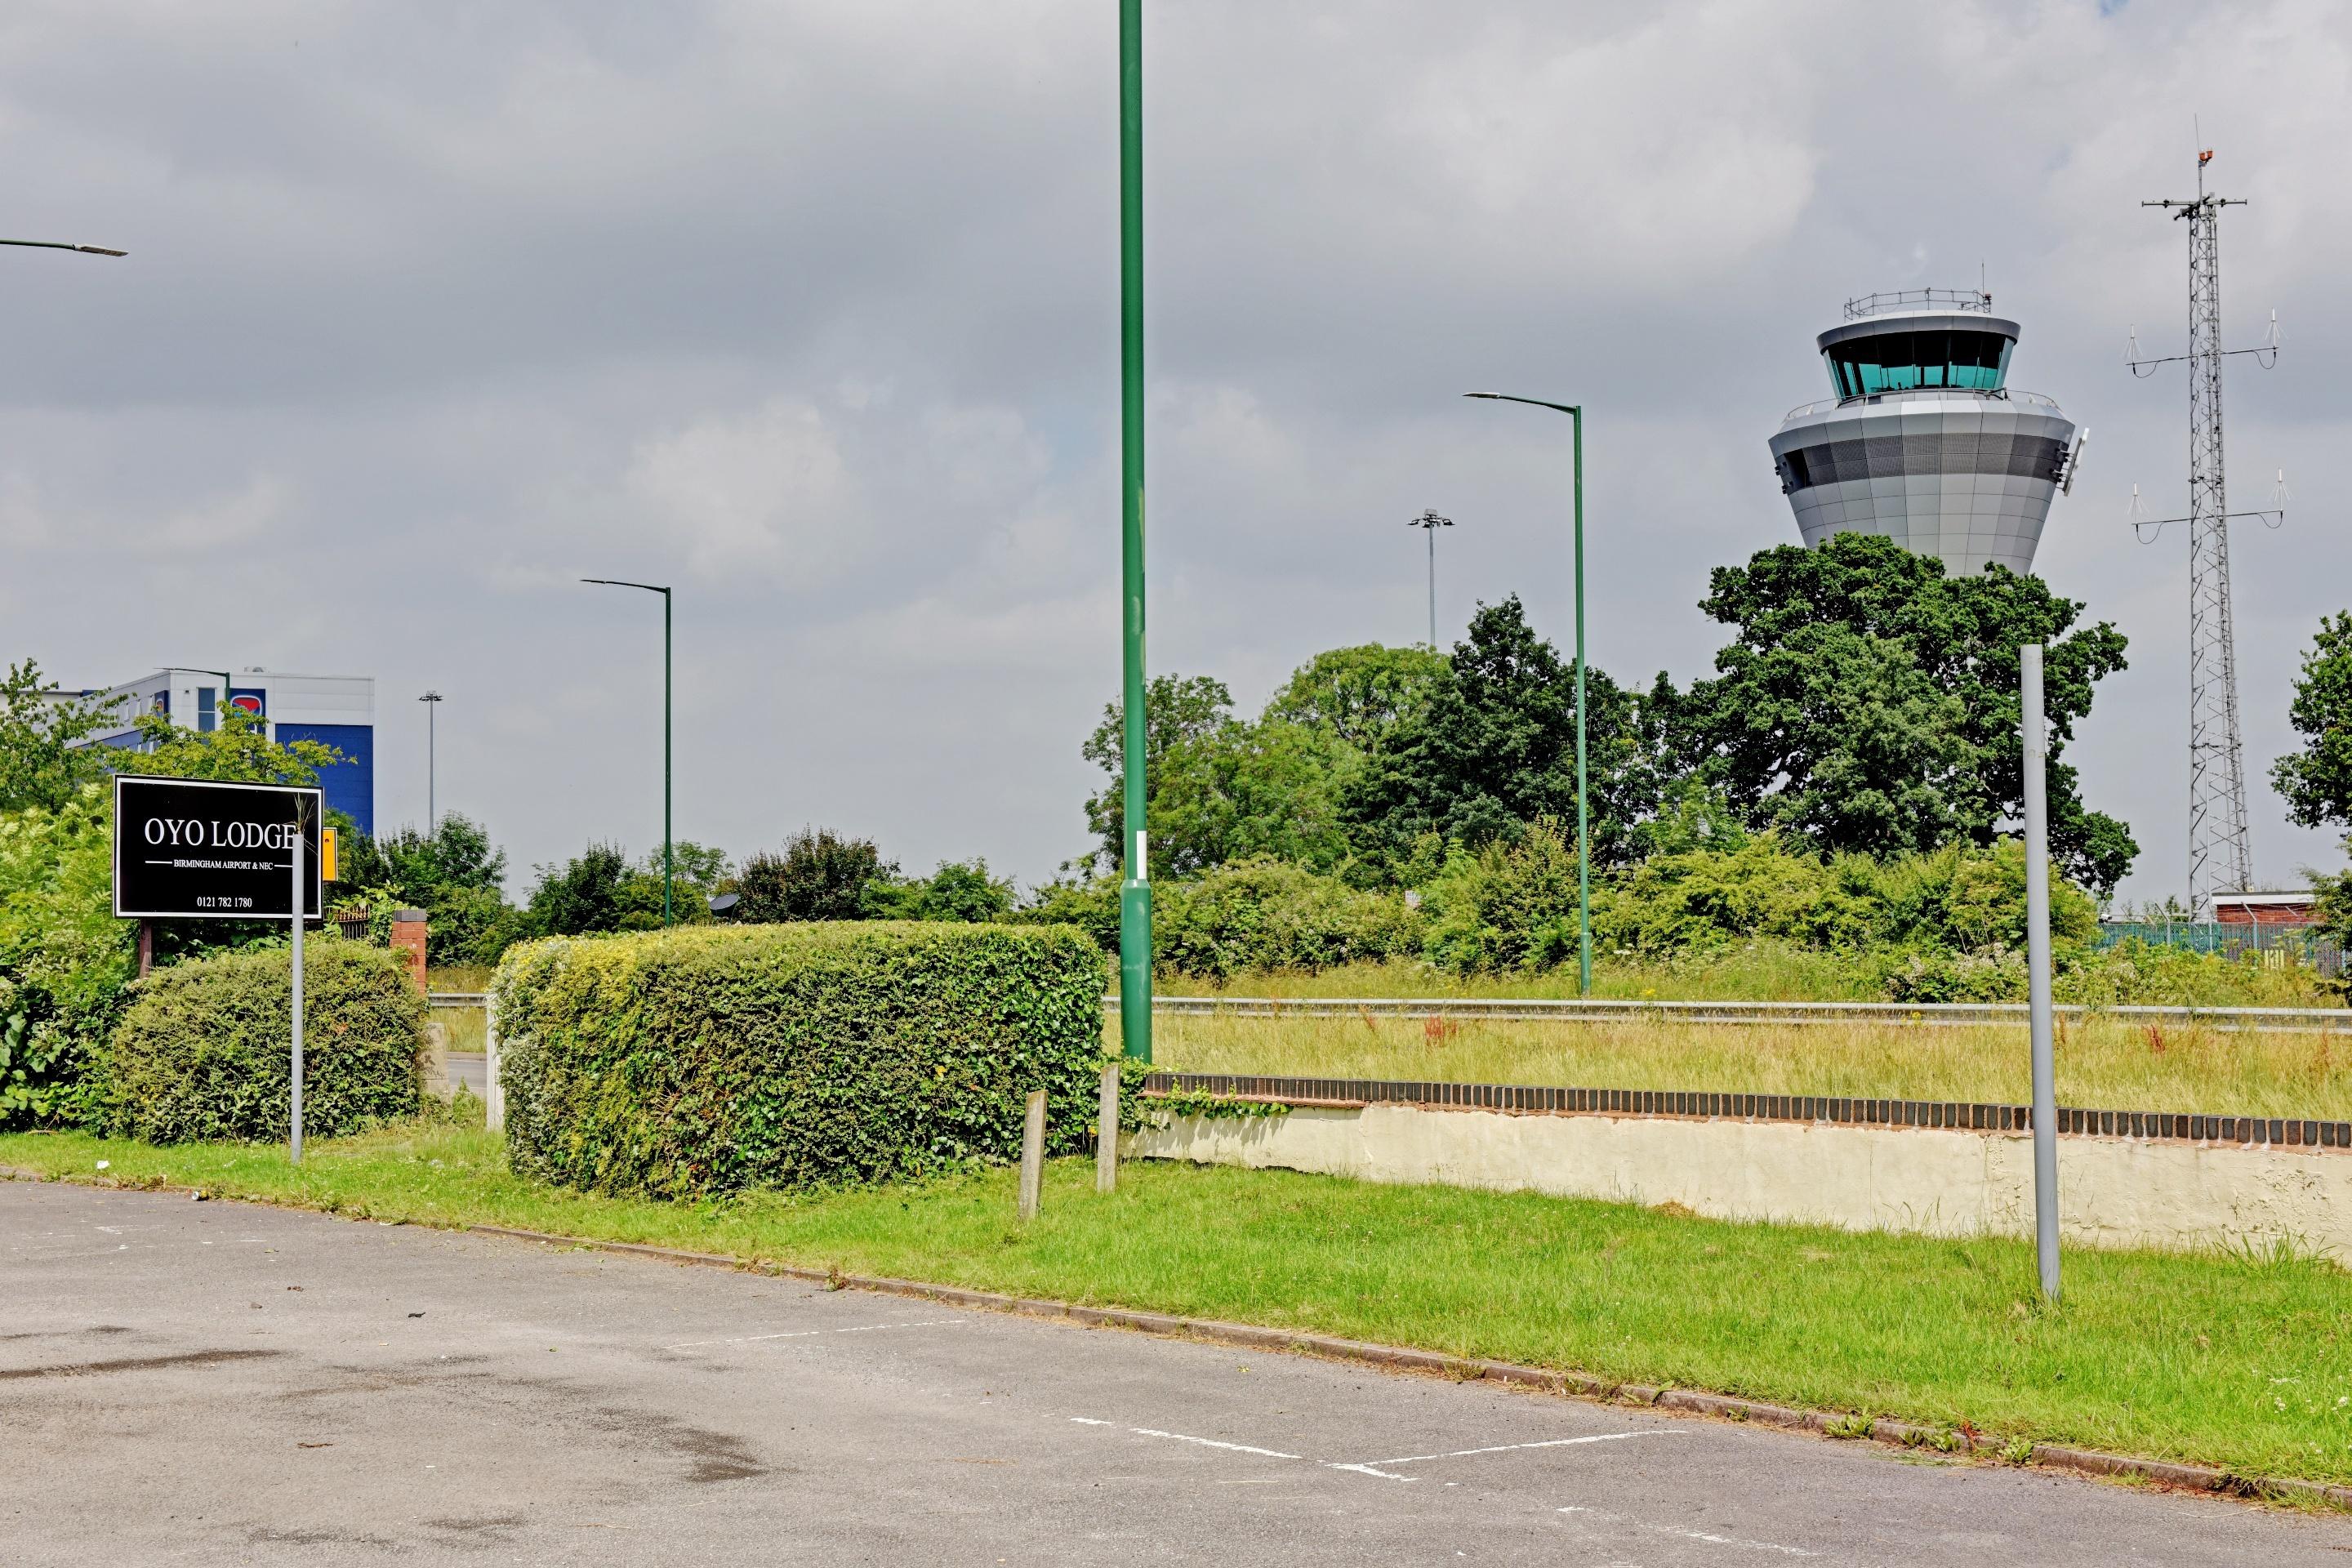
(2101, 1062)
(2237, 1361)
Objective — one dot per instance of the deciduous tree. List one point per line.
(2318, 780)
(1869, 703)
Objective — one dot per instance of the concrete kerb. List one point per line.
(1398, 1357)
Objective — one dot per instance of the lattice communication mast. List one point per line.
(2220, 857)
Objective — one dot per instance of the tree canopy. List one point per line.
(1868, 702)
(1221, 788)
(1491, 748)
(43, 759)
(2318, 780)
(820, 874)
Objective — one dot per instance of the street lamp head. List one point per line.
(1431, 520)
(430, 697)
(623, 583)
(1576, 408)
(64, 245)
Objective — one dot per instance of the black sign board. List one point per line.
(190, 849)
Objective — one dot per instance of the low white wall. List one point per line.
(2113, 1192)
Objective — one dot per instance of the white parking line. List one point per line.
(813, 1333)
(1695, 1534)
(1372, 1466)
(1180, 1437)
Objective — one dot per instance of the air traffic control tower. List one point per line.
(1924, 442)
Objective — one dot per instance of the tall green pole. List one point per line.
(668, 869)
(1135, 888)
(668, 875)
(1583, 824)
(1575, 411)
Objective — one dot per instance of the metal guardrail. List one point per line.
(2267, 1020)
(1957, 1115)
(2257, 1020)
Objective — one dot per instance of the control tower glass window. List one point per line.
(1908, 361)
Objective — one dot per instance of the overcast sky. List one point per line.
(811, 308)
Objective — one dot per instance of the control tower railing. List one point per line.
(1919, 299)
(2006, 394)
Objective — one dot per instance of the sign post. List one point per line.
(294, 902)
(193, 849)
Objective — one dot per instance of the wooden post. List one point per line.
(1107, 1132)
(1033, 1156)
(146, 947)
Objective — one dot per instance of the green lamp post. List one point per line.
(1135, 887)
(1575, 411)
(668, 874)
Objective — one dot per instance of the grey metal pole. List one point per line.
(2037, 967)
(297, 1143)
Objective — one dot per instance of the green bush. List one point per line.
(718, 1058)
(1267, 914)
(1241, 917)
(2134, 972)
(65, 960)
(1511, 905)
(203, 1050)
(1991, 975)
(1706, 898)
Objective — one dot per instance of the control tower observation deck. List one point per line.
(1924, 441)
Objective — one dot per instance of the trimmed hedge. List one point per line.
(203, 1050)
(717, 1059)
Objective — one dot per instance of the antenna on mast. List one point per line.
(2220, 854)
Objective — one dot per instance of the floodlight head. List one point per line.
(430, 697)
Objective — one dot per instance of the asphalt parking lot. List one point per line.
(210, 1382)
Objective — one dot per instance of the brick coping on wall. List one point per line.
(1955, 1115)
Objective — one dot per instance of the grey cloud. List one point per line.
(811, 308)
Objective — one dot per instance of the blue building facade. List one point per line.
(337, 711)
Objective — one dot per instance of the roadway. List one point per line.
(216, 1383)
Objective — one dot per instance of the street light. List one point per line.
(432, 700)
(1429, 522)
(1135, 889)
(61, 244)
(1575, 411)
(653, 588)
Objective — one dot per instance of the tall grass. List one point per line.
(2101, 1062)
(1765, 971)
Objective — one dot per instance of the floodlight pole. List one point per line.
(432, 700)
(1429, 522)
(667, 874)
(1575, 411)
(1135, 891)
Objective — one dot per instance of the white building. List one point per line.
(1924, 442)
(336, 710)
